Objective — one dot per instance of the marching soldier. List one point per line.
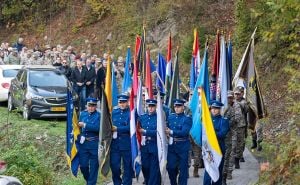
(149, 155)
(234, 115)
(241, 127)
(121, 143)
(89, 139)
(178, 130)
(221, 126)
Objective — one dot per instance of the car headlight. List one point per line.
(32, 96)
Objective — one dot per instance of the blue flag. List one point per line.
(152, 66)
(72, 132)
(127, 81)
(229, 62)
(161, 71)
(114, 88)
(202, 82)
(192, 75)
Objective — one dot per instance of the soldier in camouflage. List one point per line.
(241, 127)
(234, 114)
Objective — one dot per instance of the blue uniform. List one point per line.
(149, 155)
(178, 151)
(221, 126)
(88, 150)
(121, 147)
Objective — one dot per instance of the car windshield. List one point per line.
(49, 78)
(10, 73)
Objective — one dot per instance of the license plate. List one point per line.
(58, 109)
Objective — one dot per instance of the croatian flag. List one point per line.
(135, 148)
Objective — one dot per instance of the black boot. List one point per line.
(242, 159)
(254, 144)
(259, 147)
(237, 163)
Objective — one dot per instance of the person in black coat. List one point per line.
(100, 79)
(65, 69)
(78, 77)
(90, 78)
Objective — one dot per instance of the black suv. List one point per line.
(39, 92)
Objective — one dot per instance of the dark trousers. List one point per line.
(115, 164)
(150, 168)
(90, 90)
(88, 160)
(81, 92)
(178, 162)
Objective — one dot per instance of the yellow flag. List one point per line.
(108, 91)
(208, 125)
(212, 155)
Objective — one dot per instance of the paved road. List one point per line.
(247, 175)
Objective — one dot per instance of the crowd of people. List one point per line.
(86, 71)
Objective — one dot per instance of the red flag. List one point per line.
(136, 64)
(148, 79)
(169, 53)
(216, 62)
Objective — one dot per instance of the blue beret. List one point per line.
(122, 97)
(91, 100)
(216, 104)
(178, 102)
(151, 102)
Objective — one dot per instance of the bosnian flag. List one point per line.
(135, 149)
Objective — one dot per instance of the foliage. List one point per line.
(27, 163)
(99, 9)
(243, 27)
(279, 24)
(34, 150)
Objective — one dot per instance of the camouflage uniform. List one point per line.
(257, 136)
(235, 115)
(241, 132)
(197, 155)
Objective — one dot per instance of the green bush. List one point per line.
(27, 164)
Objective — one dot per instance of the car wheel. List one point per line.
(26, 112)
(10, 104)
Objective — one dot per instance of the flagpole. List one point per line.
(160, 80)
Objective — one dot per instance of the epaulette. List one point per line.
(225, 118)
(115, 107)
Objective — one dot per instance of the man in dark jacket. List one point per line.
(78, 77)
(90, 78)
(100, 79)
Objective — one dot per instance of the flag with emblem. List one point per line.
(105, 136)
(211, 152)
(72, 131)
